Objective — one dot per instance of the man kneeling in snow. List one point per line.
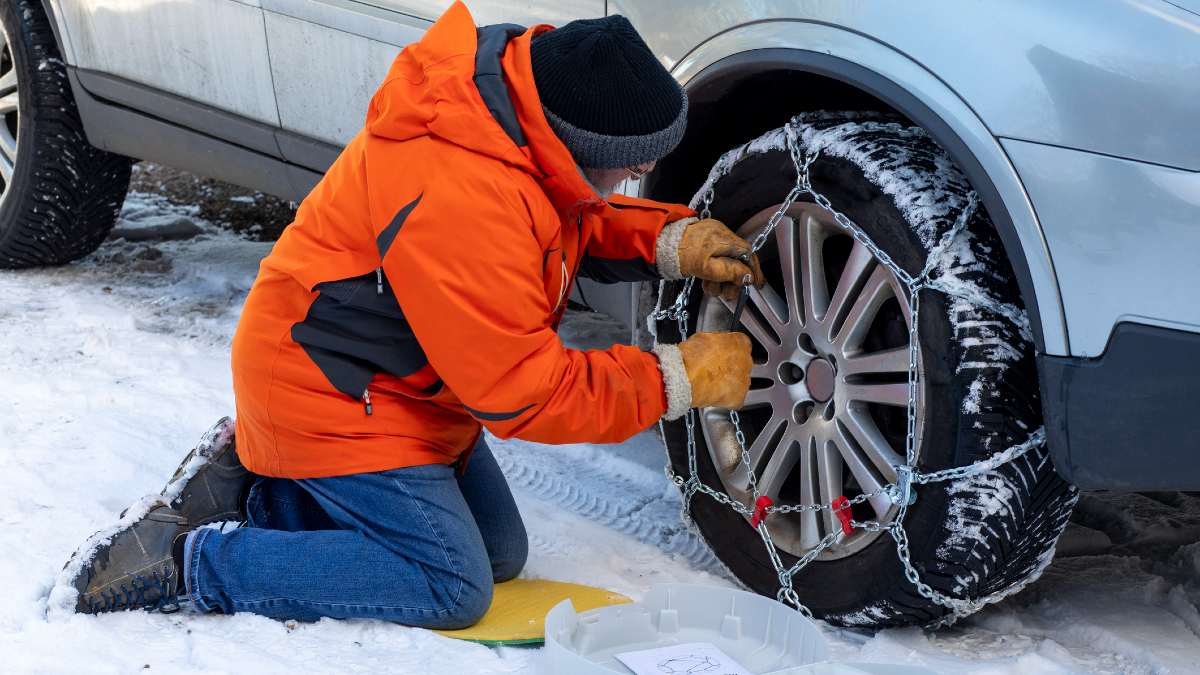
(414, 299)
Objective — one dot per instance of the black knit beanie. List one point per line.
(605, 95)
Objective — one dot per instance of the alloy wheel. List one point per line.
(9, 114)
(827, 409)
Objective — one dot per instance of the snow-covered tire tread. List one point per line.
(67, 193)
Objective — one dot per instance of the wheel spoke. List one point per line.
(857, 421)
(780, 465)
(901, 295)
(888, 361)
(760, 397)
(8, 103)
(887, 394)
(772, 307)
(810, 493)
(758, 449)
(765, 371)
(866, 306)
(785, 241)
(6, 167)
(813, 287)
(867, 480)
(8, 82)
(755, 326)
(855, 273)
(829, 480)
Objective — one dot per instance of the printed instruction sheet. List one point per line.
(691, 658)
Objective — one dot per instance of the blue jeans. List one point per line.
(420, 546)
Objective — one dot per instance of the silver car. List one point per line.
(1057, 141)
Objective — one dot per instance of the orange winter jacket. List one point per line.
(416, 295)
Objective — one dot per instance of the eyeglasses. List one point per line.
(638, 172)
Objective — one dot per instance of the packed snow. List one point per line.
(114, 367)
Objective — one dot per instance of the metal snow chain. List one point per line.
(902, 493)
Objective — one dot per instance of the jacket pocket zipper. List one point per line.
(366, 397)
(562, 290)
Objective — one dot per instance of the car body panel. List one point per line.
(1120, 77)
(319, 94)
(1192, 6)
(213, 51)
(523, 12)
(1125, 237)
(329, 56)
(352, 16)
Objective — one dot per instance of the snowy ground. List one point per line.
(114, 366)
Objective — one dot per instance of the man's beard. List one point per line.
(597, 178)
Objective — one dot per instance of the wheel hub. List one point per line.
(826, 414)
(819, 377)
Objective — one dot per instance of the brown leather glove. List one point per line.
(713, 253)
(707, 369)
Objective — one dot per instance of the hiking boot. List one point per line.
(210, 484)
(139, 568)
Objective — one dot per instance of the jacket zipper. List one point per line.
(562, 289)
(366, 397)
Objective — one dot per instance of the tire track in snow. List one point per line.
(594, 483)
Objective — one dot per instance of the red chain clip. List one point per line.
(841, 507)
(760, 510)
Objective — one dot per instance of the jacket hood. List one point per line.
(474, 87)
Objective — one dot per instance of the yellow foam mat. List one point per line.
(518, 611)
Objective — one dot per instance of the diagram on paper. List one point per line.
(692, 658)
(689, 665)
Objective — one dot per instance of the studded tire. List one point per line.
(64, 194)
(970, 538)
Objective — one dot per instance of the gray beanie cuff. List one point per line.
(597, 151)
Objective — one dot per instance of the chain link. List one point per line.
(903, 492)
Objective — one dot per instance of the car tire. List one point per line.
(970, 538)
(60, 196)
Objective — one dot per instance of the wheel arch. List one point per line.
(60, 35)
(730, 76)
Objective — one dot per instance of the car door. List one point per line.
(212, 51)
(524, 12)
(329, 56)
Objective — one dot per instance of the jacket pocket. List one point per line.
(390, 384)
(355, 330)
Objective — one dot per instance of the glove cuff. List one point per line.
(666, 253)
(675, 380)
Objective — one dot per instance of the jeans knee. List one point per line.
(509, 565)
(473, 602)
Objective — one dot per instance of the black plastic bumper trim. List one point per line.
(1127, 420)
